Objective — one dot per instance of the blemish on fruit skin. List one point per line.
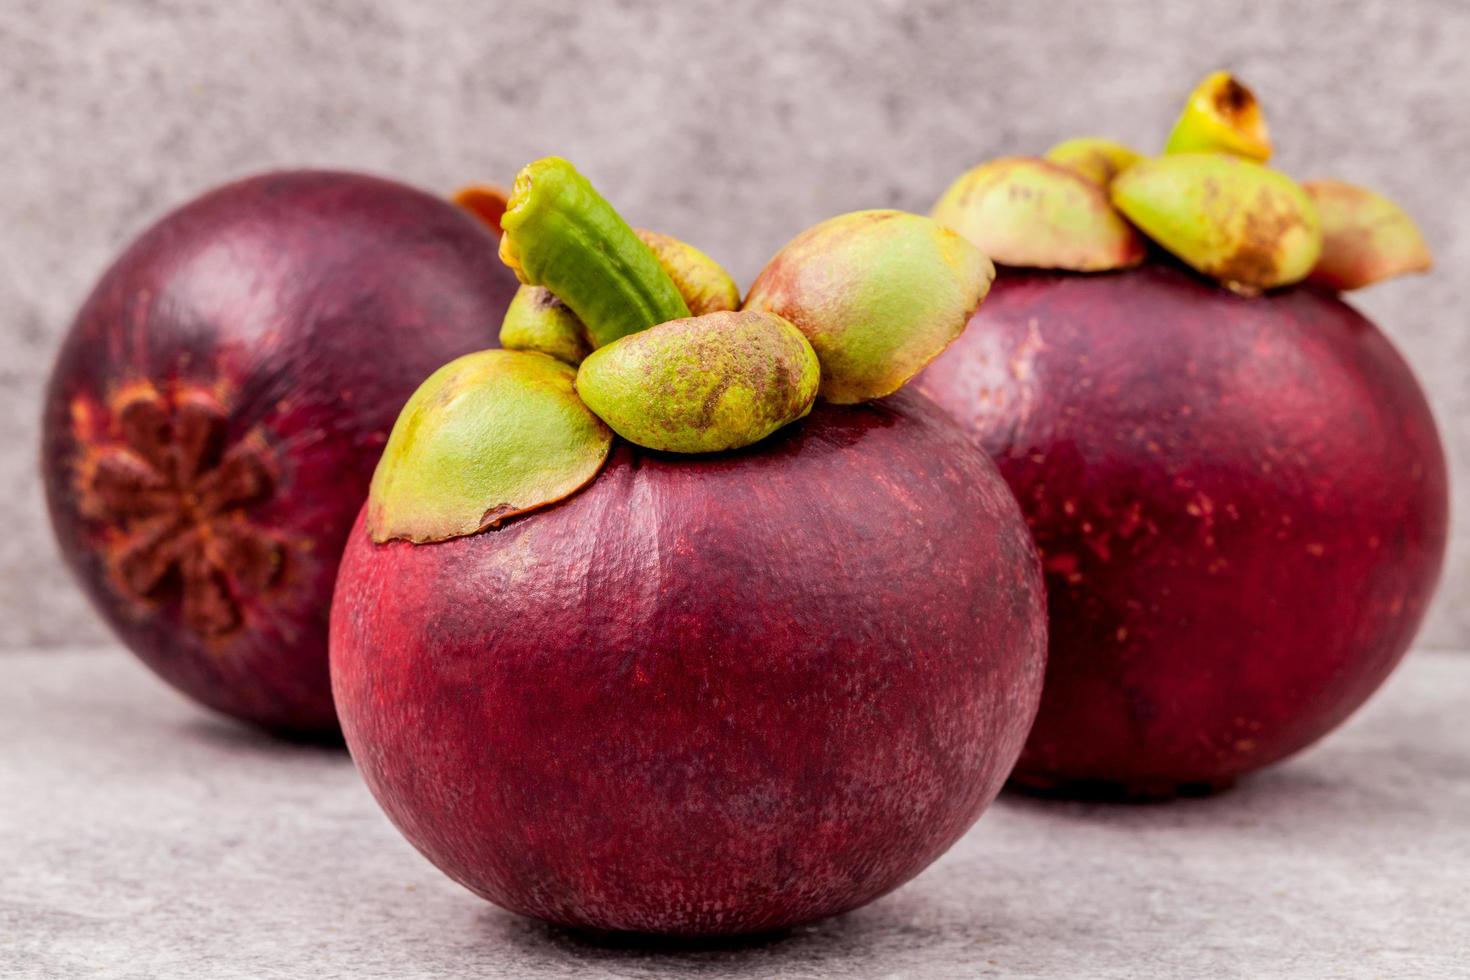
(1166, 340)
(1066, 566)
(1097, 544)
(83, 417)
(1023, 361)
(170, 496)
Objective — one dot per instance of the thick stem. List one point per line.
(561, 234)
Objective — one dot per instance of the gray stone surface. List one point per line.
(142, 840)
(733, 124)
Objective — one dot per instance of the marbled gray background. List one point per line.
(731, 124)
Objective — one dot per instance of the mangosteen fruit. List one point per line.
(662, 641)
(219, 404)
(1233, 478)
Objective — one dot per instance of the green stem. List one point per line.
(561, 234)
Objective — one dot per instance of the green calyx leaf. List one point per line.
(1097, 159)
(879, 294)
(702, 384)
(1248, 226)
(488, 436)
(537, 321)
(1029, 212)
(702, 282)
(1366, 238)
(1222, 116)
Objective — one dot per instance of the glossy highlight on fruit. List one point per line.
(218, 406)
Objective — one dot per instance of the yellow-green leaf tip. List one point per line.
(702, 384)
(1097, 159)
(486, 437)
(879, 294)
(703, 283)
(537, 321)
(1248, 226)
(1366, 238)
(1025, 211)
(1222, 115)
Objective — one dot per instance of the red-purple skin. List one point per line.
(1240, 505)
(263, 338)
(707, 694)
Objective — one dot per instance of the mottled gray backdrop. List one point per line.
(730, 124)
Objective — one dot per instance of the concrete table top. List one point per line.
(141, 838)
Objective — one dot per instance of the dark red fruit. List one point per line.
(219, 405)
(1240, 504)
(707, 694)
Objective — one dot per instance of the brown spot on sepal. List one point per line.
(499, 514)
(1248, 226)
(1256, 260)
(1233, 98)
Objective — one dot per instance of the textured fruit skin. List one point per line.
(707, 694)
(1240, 504)
(301, 309)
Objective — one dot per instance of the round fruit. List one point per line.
(707, 694)
(219, 404)
(1240, 504)
(757, 664)
(1239, 495)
